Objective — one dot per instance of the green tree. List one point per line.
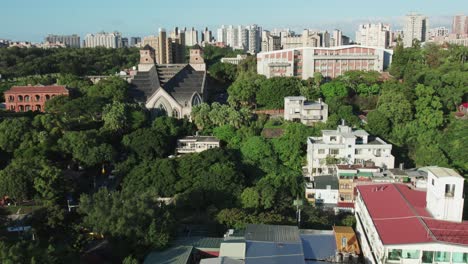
(429, 112)
(13, 132)
(273, 90)
(136, 219)
(113, 88)
(244, 90)
(334, 89)
(86, 147)
(378, 123)
(250, 198)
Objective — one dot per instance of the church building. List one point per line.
(170, 89)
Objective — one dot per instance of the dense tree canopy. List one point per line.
(17, 62)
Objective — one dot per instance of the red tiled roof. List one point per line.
(465, 105)
(38, 89)
(400, 216)
(345, 205)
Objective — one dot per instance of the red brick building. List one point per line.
(31, 98)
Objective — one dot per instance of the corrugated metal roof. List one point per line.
(272, 233)
(273, 253)
(200, 242)
(175, 255)
(221, 260)
(320, 246)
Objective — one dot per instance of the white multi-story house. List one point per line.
(297, 108)
(397, 224)
(346, 146)
(195, 144)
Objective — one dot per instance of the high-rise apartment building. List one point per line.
(270, 42)
(307, 39)
(221, 36)
(125, 43)
(337, 38)
(415, 27)
(134, 41)
(374, 35)
(438, 32)
(167, 50)
(191, 37)
(232, 37)
(103, 39)
(460, 25)
(255, 39)
(72, 41)
(243, 37)
(207, 36)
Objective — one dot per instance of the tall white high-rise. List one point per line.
(337, 36)
(243, 37)
(207, 37)
(232, 36)
(374, 35)
(255, 39)
(415, 28)
(221, 35)
(103, 39)
(191, 37)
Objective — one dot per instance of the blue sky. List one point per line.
(33, 19)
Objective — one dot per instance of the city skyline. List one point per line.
(144, 18)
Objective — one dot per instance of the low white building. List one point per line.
(323, 191)
(297, 108)
(346, 146)
(236, 60)
(398, 224)
(195, 144)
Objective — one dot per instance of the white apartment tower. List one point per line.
(255, 39)
(415, 27)
(103, 39)
(207, 36)
(221, 35)
(191, 37)
(337, 38)
(373, 35)
(232, 36)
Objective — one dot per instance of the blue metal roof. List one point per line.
(273, 253)
(319, 246)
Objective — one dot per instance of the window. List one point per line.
(432, 182)
(458, 257)
(428, 257)
(334, 151)
(442, 256)
(394, 254)
(449, 190)
(333, 138)
(358, 151)
(321, 151)
(410, 254)
(26, 98)
(38, 97)
(344, 242)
